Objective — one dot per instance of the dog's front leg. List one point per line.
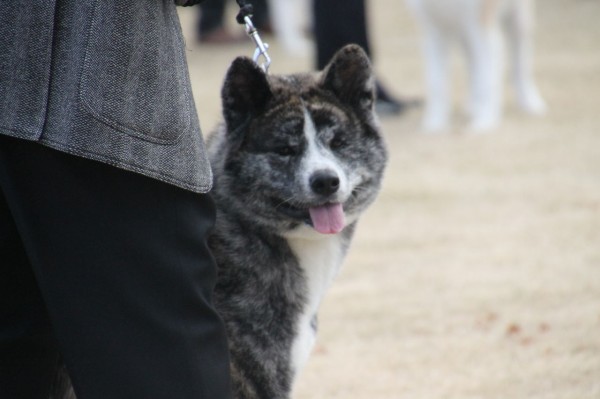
(484, 53)
(436, 48)
(519, 29)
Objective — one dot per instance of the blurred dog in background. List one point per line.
(477, 26)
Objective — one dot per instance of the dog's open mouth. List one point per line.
(326, 218)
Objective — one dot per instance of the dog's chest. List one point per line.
(320, 260)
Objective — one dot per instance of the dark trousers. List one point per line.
(211, 17)
(111, 270)
(337, 23)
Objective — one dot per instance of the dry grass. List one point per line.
(477, 273)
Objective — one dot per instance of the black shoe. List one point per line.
(385, 104)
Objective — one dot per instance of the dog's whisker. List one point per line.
(284, 201)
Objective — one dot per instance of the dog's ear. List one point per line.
(350, 77)
(245, 91)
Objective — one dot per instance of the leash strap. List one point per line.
(244, 17)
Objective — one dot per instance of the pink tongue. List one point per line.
(328, 219)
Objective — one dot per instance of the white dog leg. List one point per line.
(484, 54)
(290, 19)
(519, 29)
(437, 112)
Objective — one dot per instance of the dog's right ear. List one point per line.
(245, 92)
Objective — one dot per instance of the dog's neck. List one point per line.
(320, 257)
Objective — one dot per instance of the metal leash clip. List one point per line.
(244, 17)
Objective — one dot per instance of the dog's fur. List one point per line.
(476, 25)
(290, 147)
(295, 154)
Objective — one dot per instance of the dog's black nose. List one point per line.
(324, 182)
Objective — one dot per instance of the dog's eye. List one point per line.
(286, 150)
(337, 142)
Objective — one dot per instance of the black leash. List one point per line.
(244, 17)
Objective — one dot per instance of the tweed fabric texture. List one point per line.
(106, 80)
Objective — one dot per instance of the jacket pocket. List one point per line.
(135, 77)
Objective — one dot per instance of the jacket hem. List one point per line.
(197, 188)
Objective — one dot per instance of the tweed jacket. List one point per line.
(103, 79)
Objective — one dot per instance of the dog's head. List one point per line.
(299, 149)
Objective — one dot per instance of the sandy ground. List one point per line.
(477, 272)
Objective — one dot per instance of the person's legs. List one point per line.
(124, 271)
(337, 24)
(261, 17)
(211, 16)
(28, 352)
(211, 26)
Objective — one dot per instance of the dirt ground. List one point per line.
(477, 272)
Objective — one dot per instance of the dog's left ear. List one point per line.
(350, 77)
(245, 92)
